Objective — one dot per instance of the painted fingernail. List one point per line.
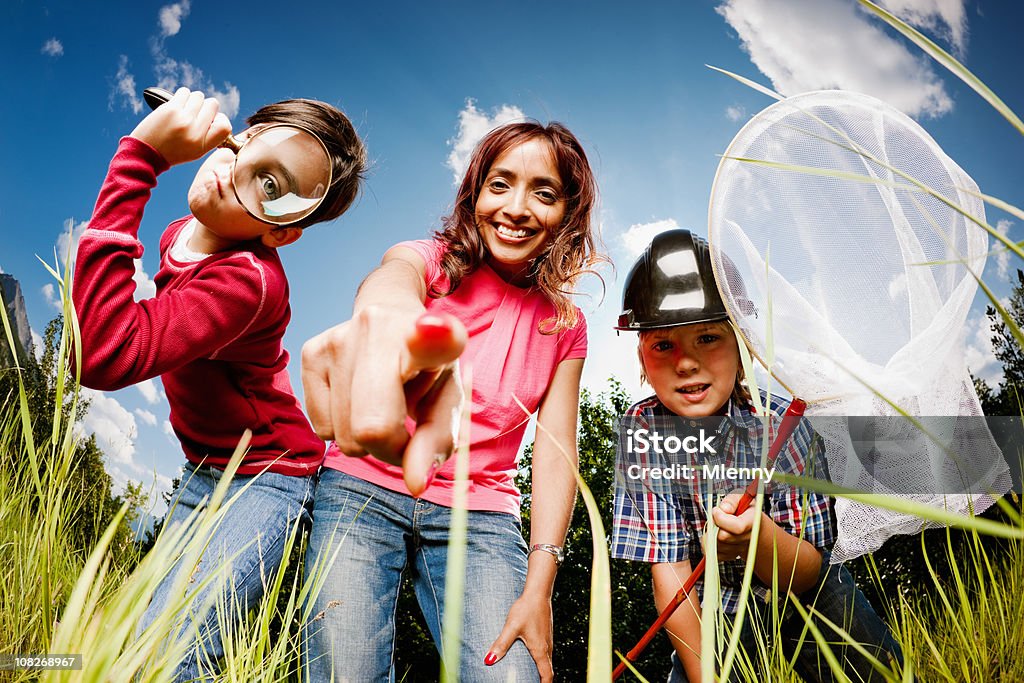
(433, 328)
(432, 472)
(490, 659)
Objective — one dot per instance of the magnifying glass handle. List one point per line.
(156, 96)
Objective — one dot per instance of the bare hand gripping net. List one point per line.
(861, 282)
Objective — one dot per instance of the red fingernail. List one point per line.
(490, 659)
(431, 473)
(433, 328)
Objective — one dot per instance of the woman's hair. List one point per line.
(571, 251)
(740, 391)
(347, 152)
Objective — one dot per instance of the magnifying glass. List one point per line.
(281, 172)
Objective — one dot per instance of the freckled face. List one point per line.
(520, 208)
(693, 368)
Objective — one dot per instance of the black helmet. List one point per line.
(671, 284)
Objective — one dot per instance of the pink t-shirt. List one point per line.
(509, 357)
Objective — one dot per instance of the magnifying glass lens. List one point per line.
(281, 174)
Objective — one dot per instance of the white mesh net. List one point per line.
(861, 283)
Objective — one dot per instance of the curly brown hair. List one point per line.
(571, 251)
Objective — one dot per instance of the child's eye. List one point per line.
(662, 346)
(708, 338)
(268, 184)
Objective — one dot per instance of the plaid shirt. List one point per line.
(661, 520)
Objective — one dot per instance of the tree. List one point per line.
(87, 478)
(1007, 398)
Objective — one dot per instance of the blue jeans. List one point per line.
(364, 537)
(837, 598)
(257, 524)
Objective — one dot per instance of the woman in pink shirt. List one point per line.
(504, 266)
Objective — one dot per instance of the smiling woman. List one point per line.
(500, 272)
(536, 180)
(519, 209)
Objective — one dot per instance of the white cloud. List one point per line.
(473, 125)
(113, 425)
(146, 416)
(804, 45)
(639, 235)
(169, 433)
(67, 241)
(172, 74)
(50, 294)
(37, 344)
(171, 17)
(124, 88)
(149, 391)
(611, 353)
(734, 113)
(944, 18)
(52, 48)
(145, 288)
(229, 99)
(67, 244)
(979, 355)
(1001, 253)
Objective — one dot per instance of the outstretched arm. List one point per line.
(362, 378)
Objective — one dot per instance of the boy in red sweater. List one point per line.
(213, 333)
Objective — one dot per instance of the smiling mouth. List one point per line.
(693, 389)
(513, 233)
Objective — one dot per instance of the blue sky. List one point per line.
(423, 80)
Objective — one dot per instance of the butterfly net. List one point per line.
(859, 283)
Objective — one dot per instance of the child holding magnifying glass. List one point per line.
(213, 333)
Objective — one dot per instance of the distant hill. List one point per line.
(17, 315)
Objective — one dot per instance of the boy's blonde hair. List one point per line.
(740, 392)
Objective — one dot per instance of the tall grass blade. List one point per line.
(904, 505)
(948, 61)
(455, 571)
(747, 82)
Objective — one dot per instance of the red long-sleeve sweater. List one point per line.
(212, 333)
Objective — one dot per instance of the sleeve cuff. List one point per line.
(144, 151)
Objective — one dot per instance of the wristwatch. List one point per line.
(556, 551)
